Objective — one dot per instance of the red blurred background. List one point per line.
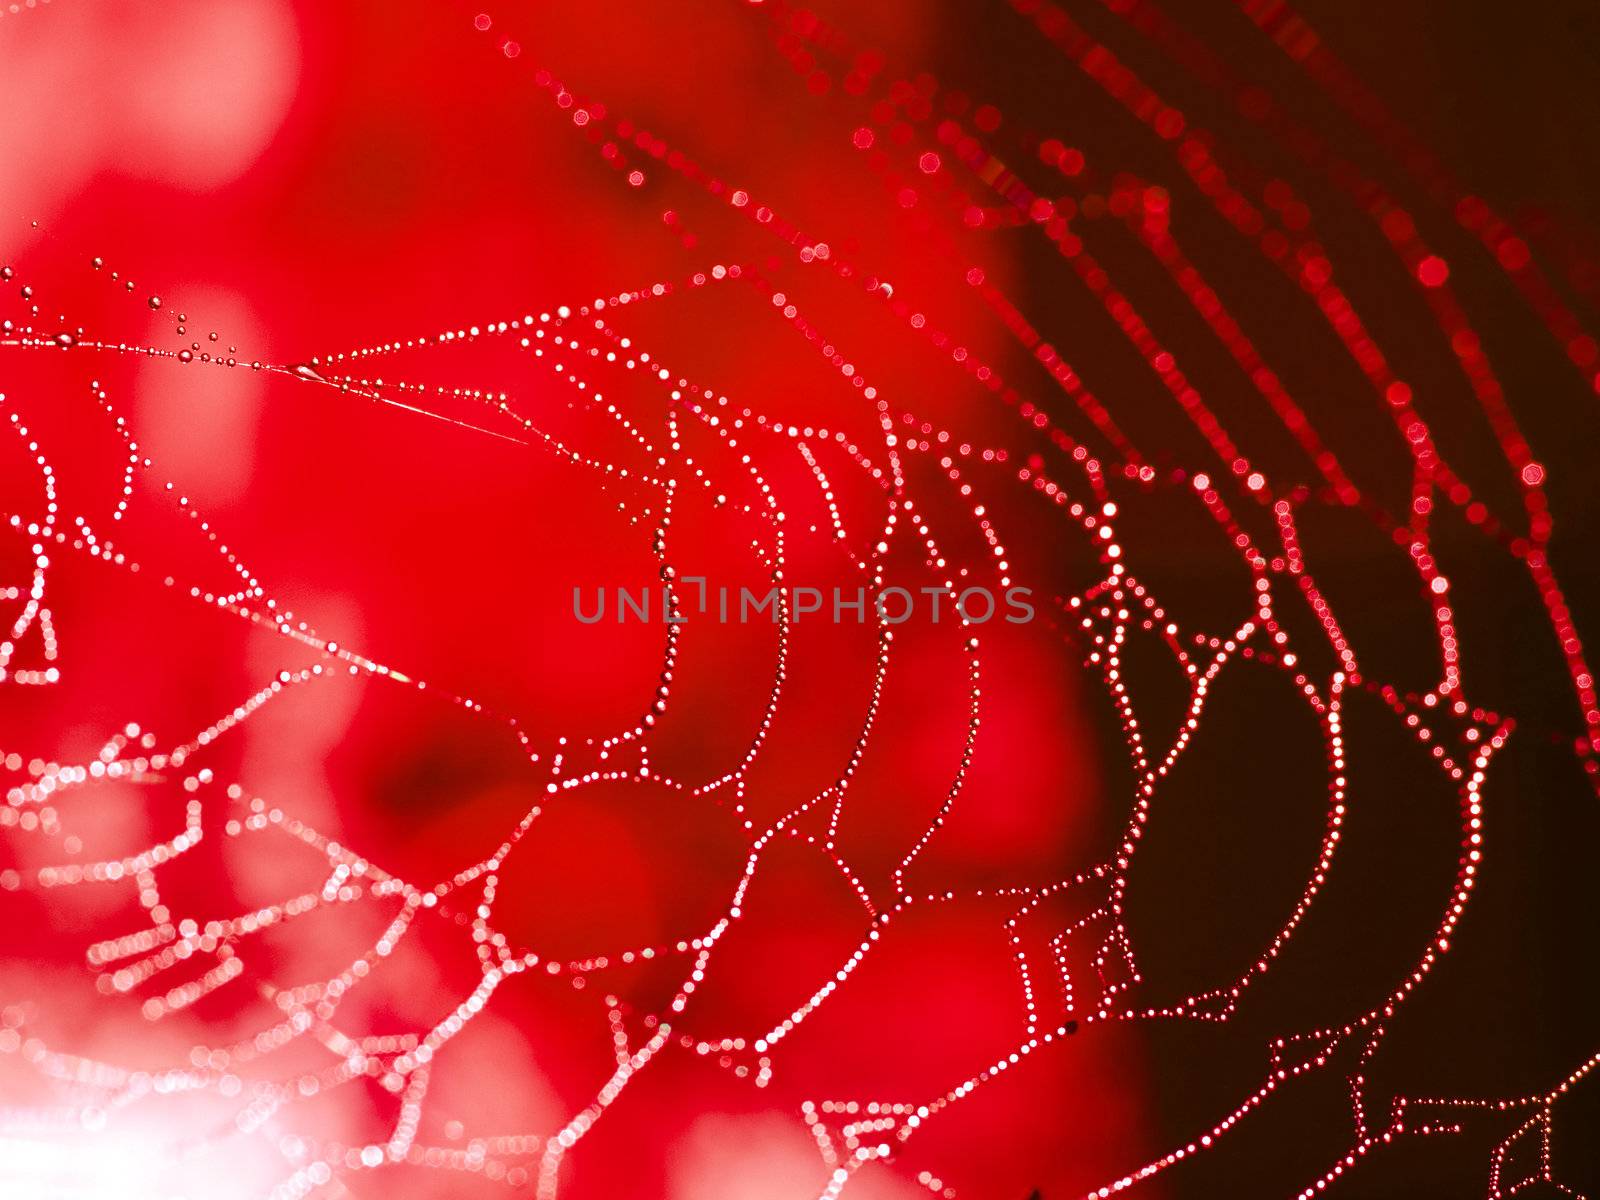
(298, 183)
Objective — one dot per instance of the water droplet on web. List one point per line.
(155, 301)
(307, 372)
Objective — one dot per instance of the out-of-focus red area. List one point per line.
(297, 180)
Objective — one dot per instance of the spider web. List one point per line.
(874, 487)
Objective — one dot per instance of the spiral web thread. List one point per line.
(168, 965)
